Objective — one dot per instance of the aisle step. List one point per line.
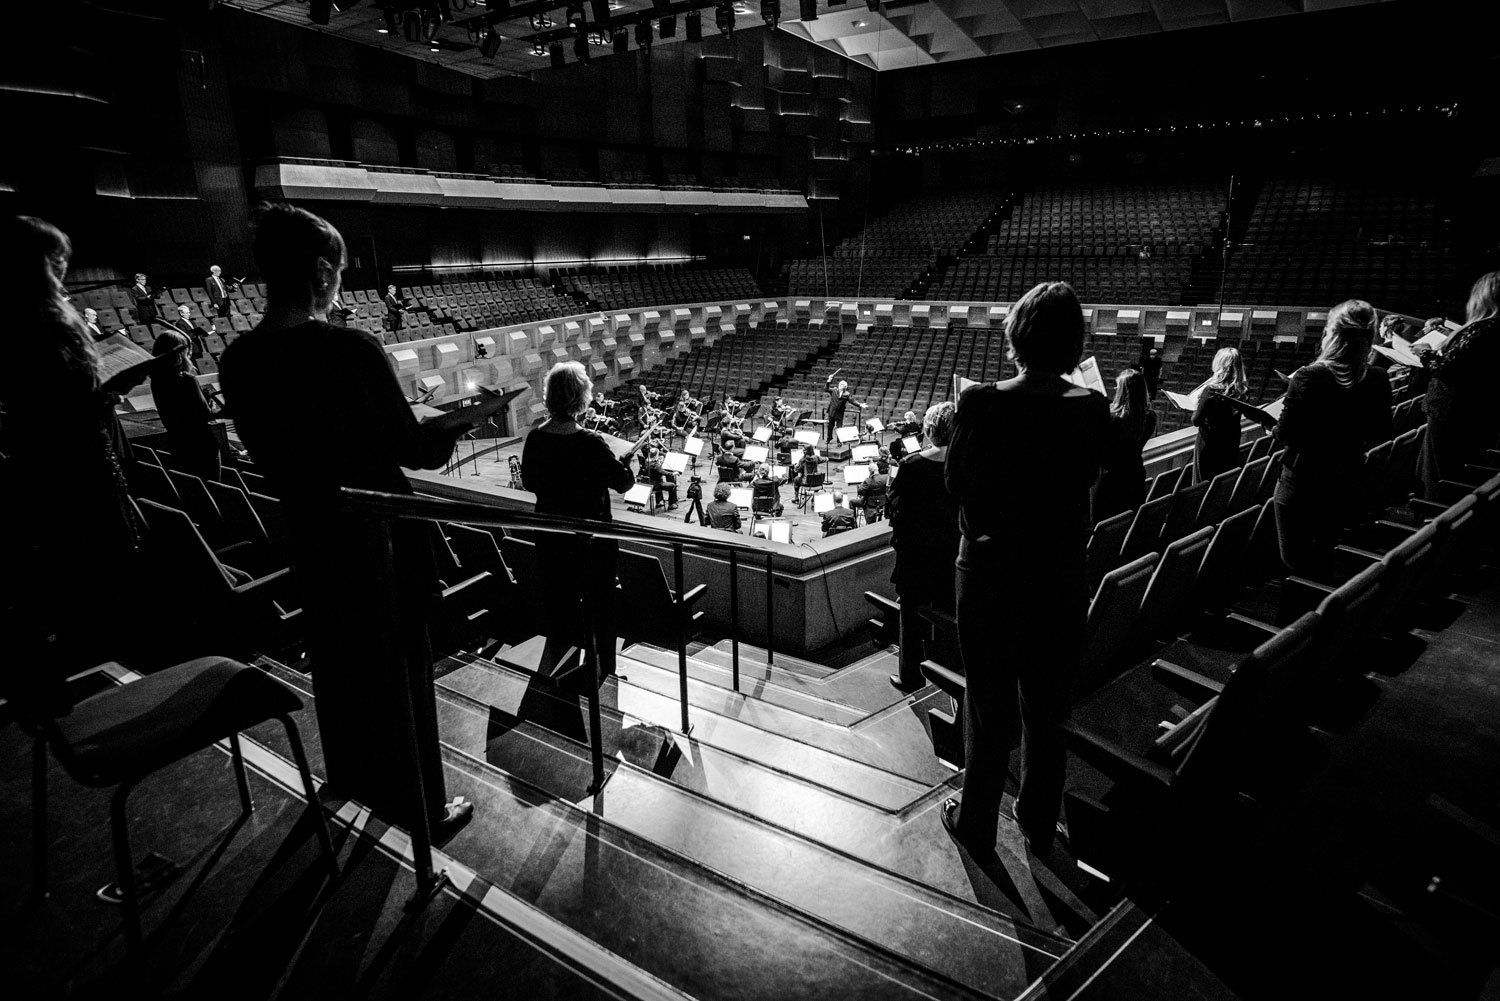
(825, 699)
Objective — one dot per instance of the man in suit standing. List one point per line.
(91, 317)
(394, 307)
(182, 323)
(218, 292)
(145, 301)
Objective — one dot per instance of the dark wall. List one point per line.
(148, 128)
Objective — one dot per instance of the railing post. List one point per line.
(593, 680)
(681, 610)
(734, 616)
(770, 612)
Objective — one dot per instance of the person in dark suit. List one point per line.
(369, 587)
(1462, 406)
(722, 513)
(924, 534)
(1122, 485)
(91, 320)
(218, 291)
(842, 400)
(1218, 421)
(182, 324)
(395, 309)
(1025, 453)
(839, 518)
(730, 466)
(872, 492)
(145, 301)
(1336, 408)
(766, 492)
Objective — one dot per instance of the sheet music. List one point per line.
(911, 443)
(865, 453)
(846, 434)
(1399, 353)
(1183, 401)
(778, 472)
(875, 424)
(856, 474)
(675, 462)
(822, 502)
(1087, 376)
(638, 494)
(693, 446)
(1437, 338)
(806, 436)
(762, 433)
(118, 354)
(796, 456)
(740, 497)
(756, 453)
(781, 531)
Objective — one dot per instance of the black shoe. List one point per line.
(456, 816)
(949, 813)
(905, 687)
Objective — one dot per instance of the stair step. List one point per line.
(842, 697)
(656, 873)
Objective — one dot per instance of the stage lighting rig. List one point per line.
(559, 58)
(724, 18)
(622, 40)
(643, 36)
(667, 26)
(692, 26)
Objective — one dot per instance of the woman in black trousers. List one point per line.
(1217, 420)
(1462, 403)
(1336, 408)
(1132, 423)
(1023, 458)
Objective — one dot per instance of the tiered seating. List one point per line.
(895, 369)
(478, 305)
(739, 363)
(895, 250)
(1100, 231)
(627, 287)
(877, 275)
(1320, 240)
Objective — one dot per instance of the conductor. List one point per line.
(841, 400)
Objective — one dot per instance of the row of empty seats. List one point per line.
(740, 363)
(627, 288)
(1108, 278)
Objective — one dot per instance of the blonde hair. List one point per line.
(1484, 298)
(937, 423)
(1347, 336)
(1229, 372)
(569, 390)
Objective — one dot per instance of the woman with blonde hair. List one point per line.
(1217, 420)
(1132, 422)
(1336, 408)
(1462, 405)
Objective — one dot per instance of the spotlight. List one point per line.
(667, 27)
(490, 45)
(724, 18)
(411, 26)
(559, 58)
(809, 10)
(770, 12)
(622, 40)
(643, 34)
(692, 26)
(318, 11)
(575, 15)
(392, 23)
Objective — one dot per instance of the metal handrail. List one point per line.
(415, 507)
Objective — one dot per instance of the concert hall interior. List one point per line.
(754, 499)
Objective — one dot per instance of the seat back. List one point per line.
(1221, 575)
(1247, 484)
(151, 482)
(199, 504)
(1145, 528)
(521, 556)
(1273, 473)
(1216, 498)
(1260, 448)
(1183, 516)
(1163, 483)
(1116, 604)
(1105, 543)
(1258, 709)
(191, 569)
(1373, 475)
(646, 600)
(1172, 595)
(1349, 627)
(241, 523)
(1263, 555)
(1401, 470)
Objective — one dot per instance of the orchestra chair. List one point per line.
(122, 735)
(811, 486)
(649, 609)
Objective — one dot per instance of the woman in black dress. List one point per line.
(368, 588)
(572, 471)
(184, 411)
(1336, 408)
(63, 494)
(924, 533)
(1132, 423)
(1024, 455)
(1218, 422)
(1462, 404)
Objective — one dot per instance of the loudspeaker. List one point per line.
(411, 26)
(622, 40)
(667, 27)
(319, 11)
(693, 26)
(809, 10)
(490, 45)
(558, 56)
(601, 11)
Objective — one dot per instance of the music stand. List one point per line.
(693, 446)
(911, 443)
(778, 471)
(741, 497)
(822, 503)
(807, 436)
(844, 435)
(675, 462)
(875, 424)
(867, 452)
(855, 474)
(756, 453)
(637, 497)
(762, 433)
(774, 529)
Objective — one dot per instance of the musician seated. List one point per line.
(729, 467)
(722, 514)
(662, 481)
(810, 463)
(872, 492)
(839, 518)
(765, 492)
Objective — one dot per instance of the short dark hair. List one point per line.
(287, 242)
(1045, 329)
(721, 492)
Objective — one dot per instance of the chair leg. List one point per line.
(125, 874)
(39, 817)
(247, 804)
(294, 739)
